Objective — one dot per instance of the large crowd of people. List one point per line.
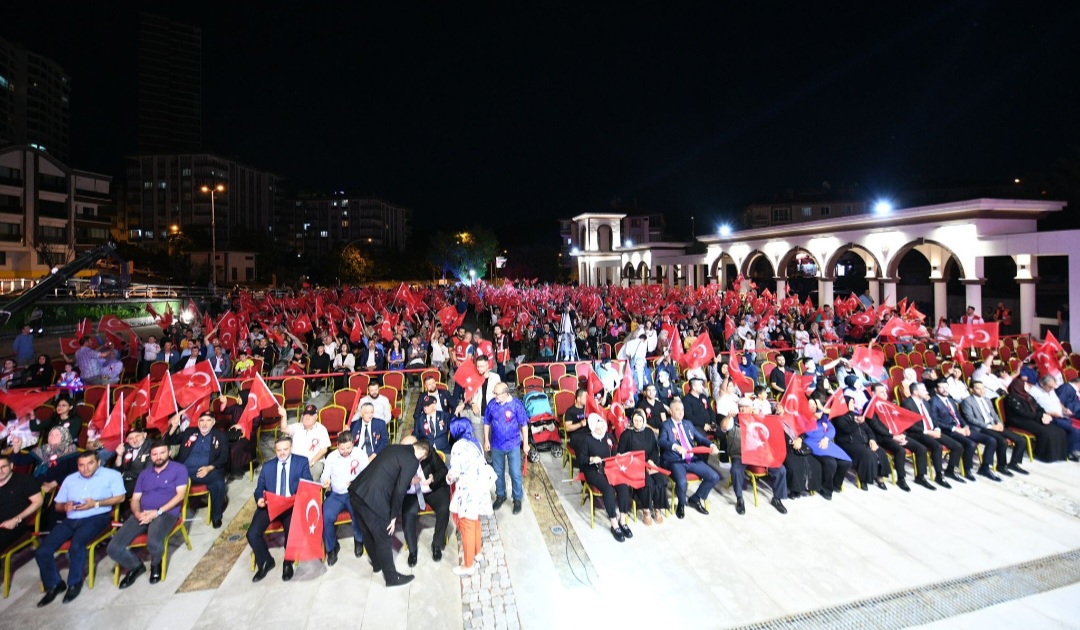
(457, 444)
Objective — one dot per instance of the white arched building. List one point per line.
(965, 231)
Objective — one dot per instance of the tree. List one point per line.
(463, 252)
(354, 267)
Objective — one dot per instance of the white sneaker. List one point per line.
(459, 570)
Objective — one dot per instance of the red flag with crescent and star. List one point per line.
(976, 335)
(113, 432)
(795, 407)
(763, 442)
(140, 400)
(626, 468)
(277, 505)
(869, 361)
(305, 533)
(163, 407)
(895, 418)
(469, 378)
(195, 382)
(259, 398)
(742, 381)
(699, 353)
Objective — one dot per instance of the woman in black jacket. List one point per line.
(1023, 413)
(595, 448)
(652, 499)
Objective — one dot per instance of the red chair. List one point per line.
(999, 404)
(945, 348)
(435, 374)
(345, 398)
(563, 401)
(890, 351)
(141, 540)
(395, 380)
(532, 383)
(92, 546)
(358, 381)
(28, 539)
(127, 390)
(275, 527)
(333, 418)
(915, 359)
(605, 351)
(393, 396)
(920, 347)
(200, 490)
(1074, 360)
(555, 372)
(131, 367)
(524, 371)
(295, 390)
(902, 360)
(45, 413)
(94, 394)
(568, 383)
(158, 370)
(968, 368)
(583, 370)
(930, 359)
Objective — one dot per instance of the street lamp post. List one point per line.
(213, 231)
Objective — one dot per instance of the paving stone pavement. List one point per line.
(487, 597)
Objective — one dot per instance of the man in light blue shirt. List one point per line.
(87, 498)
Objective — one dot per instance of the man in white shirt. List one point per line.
(377, 400)
(309, 437)
(971, 317)
(636, 349)
(958, 390)
(341, 467)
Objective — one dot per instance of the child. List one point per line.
(70, 380)
(762, 406)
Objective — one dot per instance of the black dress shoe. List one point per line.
(921, 481)
(698, 505)
(72, 592)
(374, 569)
(776, 503)
(287, 572)
(131, 576)
(826, 495)
(155, 573)
(498, 503)
(358, 548)
(399, 580)
(970, 477)
(680, 511)
(941, 482)
(436, 554)
(989, 475)
(331, 556)
(1005, 472)
(412, 559)
(264, 571)
(1017, 469)
(902, 484)
(217, 523)
(52, 594)
(740, 507)
(955, 477)
(517, 506)
(881, 484)
(626, 531)
(617, 534)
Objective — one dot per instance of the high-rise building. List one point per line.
(170, 86)
(164, 195)
(314, 224)
(34, 101)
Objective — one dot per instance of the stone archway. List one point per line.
(828, 272)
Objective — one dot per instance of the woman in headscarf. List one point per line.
(835, 463)
(54, 460)
(803, 470)
(41, 374)
(595, 447)
(471, 499)
(869, 460)
(1022, 412)
(652, 499)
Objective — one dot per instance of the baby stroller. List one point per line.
(543, 426)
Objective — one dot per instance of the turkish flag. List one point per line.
(301, 325)
(69, 345)
(116, 341)
(869, 361)
(864, 319)
(796, 407)
(469, 379)
(763, 442)
(139, 402)
(977, 335)
(356, 333)
(277, 505)
(101, 411)
(616, 418)
(164, 406)
(305, 532)
(24, 401)
(897, 327)
(677, 353)
(259, 398)
(913, 313)
(1046, 360)
(386, 330)
(627, 387)
(594, 384)
(113, 433)
(228, 330)
(1051, 343)
(700, 352)
(626, 468)
(837, 405)
(85, 329)
(195, 382)
(113, 324)
(742, 381)
(729, 327)
(895, 418)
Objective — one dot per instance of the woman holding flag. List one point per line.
(652, 498)
(596, 447)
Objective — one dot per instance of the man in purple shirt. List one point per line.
(155, 507)
(505, 434)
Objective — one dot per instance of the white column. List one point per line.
(974, 295)
(890, 291)
(781, 286)
(941, 298)
(874, 290)
(1027, 306)
(825, 292)
(670, 274)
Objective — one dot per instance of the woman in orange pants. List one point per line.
(473, 478)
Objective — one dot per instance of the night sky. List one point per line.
(540, 109)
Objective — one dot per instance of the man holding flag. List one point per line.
(204, 451)
(279, 477)
(731, 428)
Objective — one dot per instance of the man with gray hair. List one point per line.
(1043, 394)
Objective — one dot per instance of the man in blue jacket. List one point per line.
(280, 476)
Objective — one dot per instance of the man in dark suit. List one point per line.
(435, 493)
(280, 476)
(369, 432)
(169, 354)
(444, 400)
(377, 495)
(1067, 393)
(204, 451)
(433, 425)
(896, 445)
(696, 407)
(677, 436)
(947, 416)
(935, 441)
(980, 415)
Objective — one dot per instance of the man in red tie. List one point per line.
(677, 437)
(927, 434)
